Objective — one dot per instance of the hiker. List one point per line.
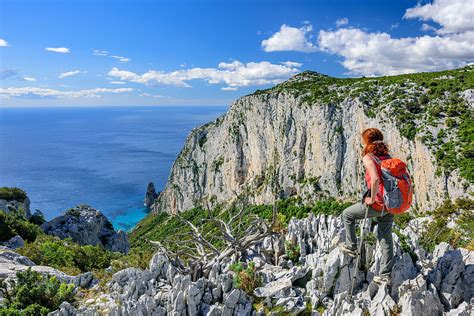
(375, 150)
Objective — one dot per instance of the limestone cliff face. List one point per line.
(315, 148)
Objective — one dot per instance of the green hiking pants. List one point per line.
(384, 232)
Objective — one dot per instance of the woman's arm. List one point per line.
(374, 179)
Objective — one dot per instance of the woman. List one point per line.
(374, 148)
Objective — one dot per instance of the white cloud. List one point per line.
(426, 27)
(3, 43)
(291, 64)
(394, 26)
(121, 59)
(98, 52)
(290, 39)
(62, 50)
(342, 22)
(454, 16)
(69, 74)
(45, 92)
(379, 54)
(31, 79)
(234, 74)
(229, 88)
(149, 95)
(117, 82)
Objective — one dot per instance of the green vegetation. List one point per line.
(245, 278)
(293, 251)
(216, 165)
(37, 218)
(11, 194)
(74, 212)
(405, 246)
(418, 103)
(461, 235)
(14, 223)
(401, 220)
(33, 294)
(66, 255)
(370, 238)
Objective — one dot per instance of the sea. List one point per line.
(100, 156)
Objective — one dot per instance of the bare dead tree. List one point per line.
(193, 250)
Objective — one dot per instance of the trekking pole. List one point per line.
(356, 269)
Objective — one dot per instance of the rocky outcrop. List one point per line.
(14, 242)
(320, 280)
(21, 207)
(150, 195)
(12, 262)
(87, 226)
(309, 149)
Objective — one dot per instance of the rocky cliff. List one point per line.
(304, 136)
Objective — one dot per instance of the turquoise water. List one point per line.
(101, 156)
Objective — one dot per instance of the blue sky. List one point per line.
(72, 53)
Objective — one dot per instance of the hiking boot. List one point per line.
(385, 278)
(348, 251)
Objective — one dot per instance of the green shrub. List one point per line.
(67, 255)
(401, 220)
(370, 238)
(436, 230)
(405, 246)
(246, 278)
(293, 251)
(12, 194)
(37, 218)
(12, 224)
(33, 294)
(73, 212)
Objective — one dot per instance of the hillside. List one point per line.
(302, 136)
(249, 222)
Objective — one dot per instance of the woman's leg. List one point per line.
(349, 216)
(384, 235)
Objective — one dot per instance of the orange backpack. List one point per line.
(397, 187)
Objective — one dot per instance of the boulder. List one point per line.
(273, 288)
(416, 299)
(383, 303)
(450, 279)
(15, 242)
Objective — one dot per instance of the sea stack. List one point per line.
(150, 195)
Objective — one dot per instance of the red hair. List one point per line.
(374, 143)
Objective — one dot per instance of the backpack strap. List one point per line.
(375, 158)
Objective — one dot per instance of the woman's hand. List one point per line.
(369, 201)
